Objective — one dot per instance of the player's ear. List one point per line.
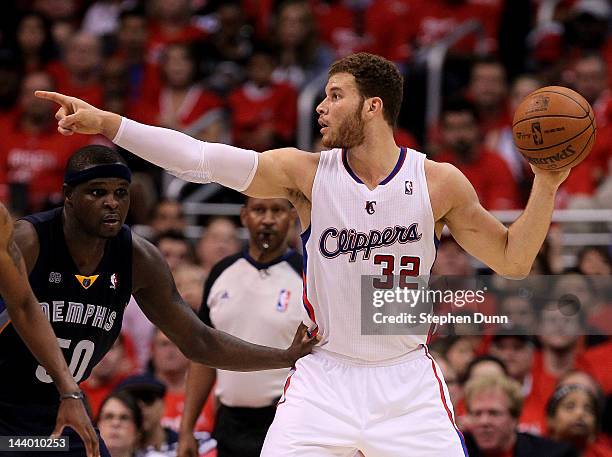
(67, 191)
(374, 105)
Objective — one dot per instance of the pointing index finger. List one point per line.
(56, 97)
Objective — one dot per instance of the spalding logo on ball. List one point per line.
(554, 128)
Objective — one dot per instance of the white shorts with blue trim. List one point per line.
(332, 407)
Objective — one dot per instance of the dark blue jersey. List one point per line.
(84, 311)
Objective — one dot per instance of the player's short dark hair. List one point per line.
(458, 105)
(129, 402)
(92, 155)
(375, 77)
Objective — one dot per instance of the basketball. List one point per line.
(554, 128)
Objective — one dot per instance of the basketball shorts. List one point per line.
(39, 420)
(332, 407)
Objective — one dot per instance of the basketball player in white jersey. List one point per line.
(369, 208)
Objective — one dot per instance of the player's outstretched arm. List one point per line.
(156, 294)
(275, 173)
(508, 251)
(36, 332)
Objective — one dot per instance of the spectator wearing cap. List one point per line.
(574, 415)
(149, 393)
(494, 404)
(155, 440)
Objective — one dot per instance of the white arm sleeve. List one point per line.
(187, 158)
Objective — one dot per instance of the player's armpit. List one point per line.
(474, 228)
(281, 171)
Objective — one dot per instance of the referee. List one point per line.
(254, 295)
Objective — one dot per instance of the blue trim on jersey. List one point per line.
(305, 235)
(465, 452)
(348, 167)
(395, 171)
(397, 168)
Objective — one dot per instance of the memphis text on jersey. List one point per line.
(335, 242)
(80, 313)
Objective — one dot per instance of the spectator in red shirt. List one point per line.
(574, 416)
(487, 172)
(500, 139)
(433, 20)
(589, 76)
(182, 103)
(488, 90)
(264, 113)
(112, 369)
(33, 154)
(301, 57)
(227, 51)
(79, 74)
(33, 43)
(170, 366)
(378, 26)
(132, 37)
(171, 24)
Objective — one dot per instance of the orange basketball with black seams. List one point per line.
(554, 128)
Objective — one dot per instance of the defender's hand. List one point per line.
(72, 414)
(75, 115)
(302, 343)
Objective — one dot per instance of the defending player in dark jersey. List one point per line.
(19, 307)
(84, 264)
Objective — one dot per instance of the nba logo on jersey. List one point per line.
(283, 300)
(408, 187)
(113, 281)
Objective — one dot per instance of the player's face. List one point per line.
(340, 113)
(268, 222)
(100, 205)
(493, 425)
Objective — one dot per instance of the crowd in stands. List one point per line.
(231, 71)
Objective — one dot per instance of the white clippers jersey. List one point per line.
(355, 232)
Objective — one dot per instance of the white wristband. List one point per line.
(187, 158)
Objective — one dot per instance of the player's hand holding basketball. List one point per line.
(72, 414)
(302, 344)
(554, 129)
(77, 116)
